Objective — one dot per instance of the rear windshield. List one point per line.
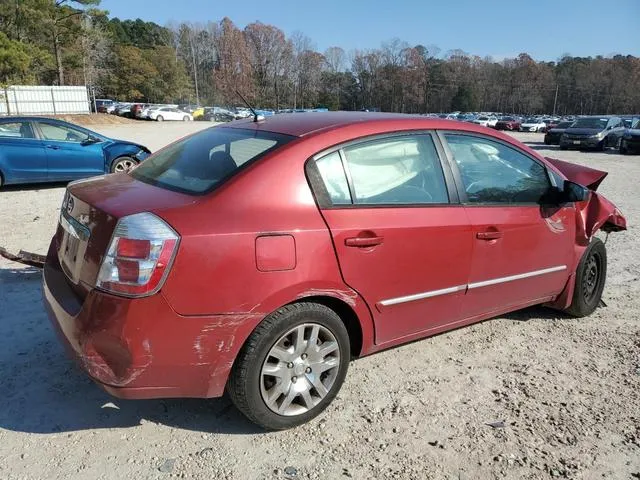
(201, 162)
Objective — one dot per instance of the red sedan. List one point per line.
(262, 256)
(508, 123)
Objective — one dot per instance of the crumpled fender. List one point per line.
(596, 212)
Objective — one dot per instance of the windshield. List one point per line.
(506, 119)
(531, 120)
(564, 124)
(201, 162)
(598, 123)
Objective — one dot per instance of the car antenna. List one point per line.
(256, 117)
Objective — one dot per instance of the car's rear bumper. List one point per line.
(141, 348)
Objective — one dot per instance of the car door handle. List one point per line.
(53, 147)
(363, 241)
(488, 235)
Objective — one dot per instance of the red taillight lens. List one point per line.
(139, 256)
(132, 248)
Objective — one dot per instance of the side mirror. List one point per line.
(90, 140)
(570, 192)
(574, 192)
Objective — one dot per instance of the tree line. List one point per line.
(74, 42)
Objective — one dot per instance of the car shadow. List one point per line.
(33, 187)
(537, 312)
(45, 392)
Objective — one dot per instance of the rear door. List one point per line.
(68, 158)
(22, 155)
(403, 241)
(522, 251)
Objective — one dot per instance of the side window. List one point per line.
(396, 170)
(494, 173)
(61, 133)
(333, 176)
(16, 130)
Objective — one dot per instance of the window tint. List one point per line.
(61, 133)
(397, 170)
(333, 176)
(494, 173)
(16, 130)
(203, 161)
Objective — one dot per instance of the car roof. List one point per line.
(30, 118)
(301, 124)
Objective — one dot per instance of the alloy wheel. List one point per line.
(124, 165)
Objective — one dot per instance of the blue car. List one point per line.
(34, 149)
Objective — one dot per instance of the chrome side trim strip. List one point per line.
(520, 276)
(485, 283)
(420, 296)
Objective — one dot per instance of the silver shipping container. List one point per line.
(43, 100)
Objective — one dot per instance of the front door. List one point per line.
(522, 251)
(69, 157)
(403, 243)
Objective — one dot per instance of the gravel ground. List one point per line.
(565, 392)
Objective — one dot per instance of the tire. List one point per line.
(159, 118)
(563, 147)
(123, 164)
(250, 383)
(185, 118)
(602, 146)
(591, 275)
(623, 148)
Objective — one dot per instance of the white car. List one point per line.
(533, 125)
(486, 121)
(169, 113)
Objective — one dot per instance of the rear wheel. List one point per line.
(123, 164)
(186, 118)
(160, 118)
(291, 367)
(602, 145)
(590, 279)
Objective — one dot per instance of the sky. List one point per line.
(546, 29)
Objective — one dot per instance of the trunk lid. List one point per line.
(89, 214)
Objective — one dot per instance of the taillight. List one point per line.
(139, 256)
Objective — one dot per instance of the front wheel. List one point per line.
(160, 118)
(291, 367)
(186, 118)
(123, 164)
(589, 280)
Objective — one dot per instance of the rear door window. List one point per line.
(199, 163)
(16, 130)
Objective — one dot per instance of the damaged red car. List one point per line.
(261, 257)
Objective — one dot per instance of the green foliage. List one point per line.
(463, 100)
(14, 62)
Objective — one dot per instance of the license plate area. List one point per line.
(73, 246)
(576, 142)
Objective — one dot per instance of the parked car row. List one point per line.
(596, 132)
(583, 132)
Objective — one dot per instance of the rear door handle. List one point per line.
(53, 147)
(363, 241)
(488, 235)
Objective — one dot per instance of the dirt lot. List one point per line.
(567, 390)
